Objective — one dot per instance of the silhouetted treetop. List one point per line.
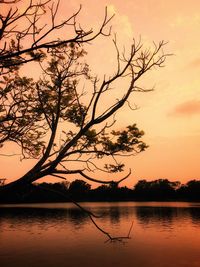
(66, 127)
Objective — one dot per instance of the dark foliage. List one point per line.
(79, 190)
(67, 128)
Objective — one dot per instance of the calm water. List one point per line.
(59, 235)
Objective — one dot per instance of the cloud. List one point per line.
(188, 108)
(195, 63)
(185, 21)
(111, 9)
(121, 22)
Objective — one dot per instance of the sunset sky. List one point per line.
(170, 114)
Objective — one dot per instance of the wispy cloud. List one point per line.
(188, 108)
(122, 21)
(195, 63)
(185, 21)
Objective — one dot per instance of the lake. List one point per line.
(60, 235)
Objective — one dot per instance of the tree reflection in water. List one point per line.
(162, 235)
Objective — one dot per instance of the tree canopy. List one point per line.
(56, 120)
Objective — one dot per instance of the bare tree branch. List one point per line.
(55, 120)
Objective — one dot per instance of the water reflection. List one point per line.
(148, 215)
(163, 235)
(167, 215)
(195, 216)
(113, 212)
(42, 216)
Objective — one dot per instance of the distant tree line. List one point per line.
(79, 190)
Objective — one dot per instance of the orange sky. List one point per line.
(170, 114)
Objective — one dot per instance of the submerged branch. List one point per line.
(91, 215)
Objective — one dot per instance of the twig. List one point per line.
(91, 215)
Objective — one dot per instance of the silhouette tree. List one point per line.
(54, 120)
(66, 128)
(190, 190)
(79, 189)
(25, 37)
(160, 189)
